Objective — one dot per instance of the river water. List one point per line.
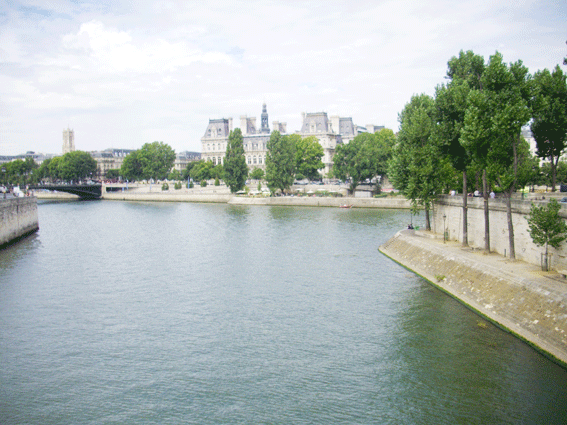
(170, 313)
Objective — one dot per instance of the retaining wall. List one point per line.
(526, 250)
(18, 219)
(532, 307)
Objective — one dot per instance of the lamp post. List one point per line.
(444, 230)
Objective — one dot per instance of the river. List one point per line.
(169, 313)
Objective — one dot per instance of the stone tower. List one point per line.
(265, 126)
(68, 141)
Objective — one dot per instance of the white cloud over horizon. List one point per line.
(124, 75)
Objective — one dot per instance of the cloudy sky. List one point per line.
(123, 73)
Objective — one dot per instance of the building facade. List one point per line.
(68, 141)
(255, 140)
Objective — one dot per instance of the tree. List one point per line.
(77, 165)
(235, 168)
(509, 90)
(202, 170)
(113, 174)
(381, 151)
(308, 154)
(464, 74)
(131, 168)
(280, 162)
(157, 160)
(257, 174)
(546, 227)
(361, 158)
(417, 168)
(549, 125)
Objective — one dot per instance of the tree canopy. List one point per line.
(546, 227)
(280, 162)
(235, 168)
(308, 154)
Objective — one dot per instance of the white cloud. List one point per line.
(124, 73)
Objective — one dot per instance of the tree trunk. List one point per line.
(427, 220)
(465, 223)
(509, 203)
(510, 224)
(554, 162)
(486, 213)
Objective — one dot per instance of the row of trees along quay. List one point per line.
(472, 127)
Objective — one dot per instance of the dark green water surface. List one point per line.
(173, 313)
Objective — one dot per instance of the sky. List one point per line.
(125, 73)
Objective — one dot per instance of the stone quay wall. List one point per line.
(18, 218)
(511, 294)
(526, 250)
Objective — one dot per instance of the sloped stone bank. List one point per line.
(512, 294)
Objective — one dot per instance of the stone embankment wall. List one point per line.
(18, 219)
(530, 306)
(526, 250)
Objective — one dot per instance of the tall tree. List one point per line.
(464, 74)
(235, 168)
(549, 125)
(131, 168)
(308, 154)
(280, 162)
(157, 160)
(417, 168)
(493, 125)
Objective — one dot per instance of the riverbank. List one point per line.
(213, 194)
(515, 295)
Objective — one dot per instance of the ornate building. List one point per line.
(255, 140)
(68, 141)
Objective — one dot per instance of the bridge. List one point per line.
(84, 191)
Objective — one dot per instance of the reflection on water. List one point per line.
(200, 313)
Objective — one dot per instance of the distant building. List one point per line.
(318, 124)
(255, 140)
(109, 159)
(68, 141)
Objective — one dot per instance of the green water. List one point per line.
(140, 313)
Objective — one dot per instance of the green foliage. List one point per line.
(191, 185)
(132, 168)
(113, 174)
(217, 181)
(156, 159)
(174, 175)
(308, 154)
(257, 174)
(177, 185)
(186, 172)
(202, 170)
(76, 165)
(204, 183)
(235, 168)
(417, 168)
(165, 186)
(546, 227)
(20, 172)
(549, 124)
(280, 162)
(364, 157)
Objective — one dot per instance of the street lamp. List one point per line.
(444, 229)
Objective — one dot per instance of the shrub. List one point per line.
(217, 182)
(165, 186)
(177, 186)
(203, 183)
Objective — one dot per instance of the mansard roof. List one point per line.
(217, 128)
(315, 122)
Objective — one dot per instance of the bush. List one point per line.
(191, 185)
(203, 183)
(177, 186)
(165, 186)
(217, 182)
